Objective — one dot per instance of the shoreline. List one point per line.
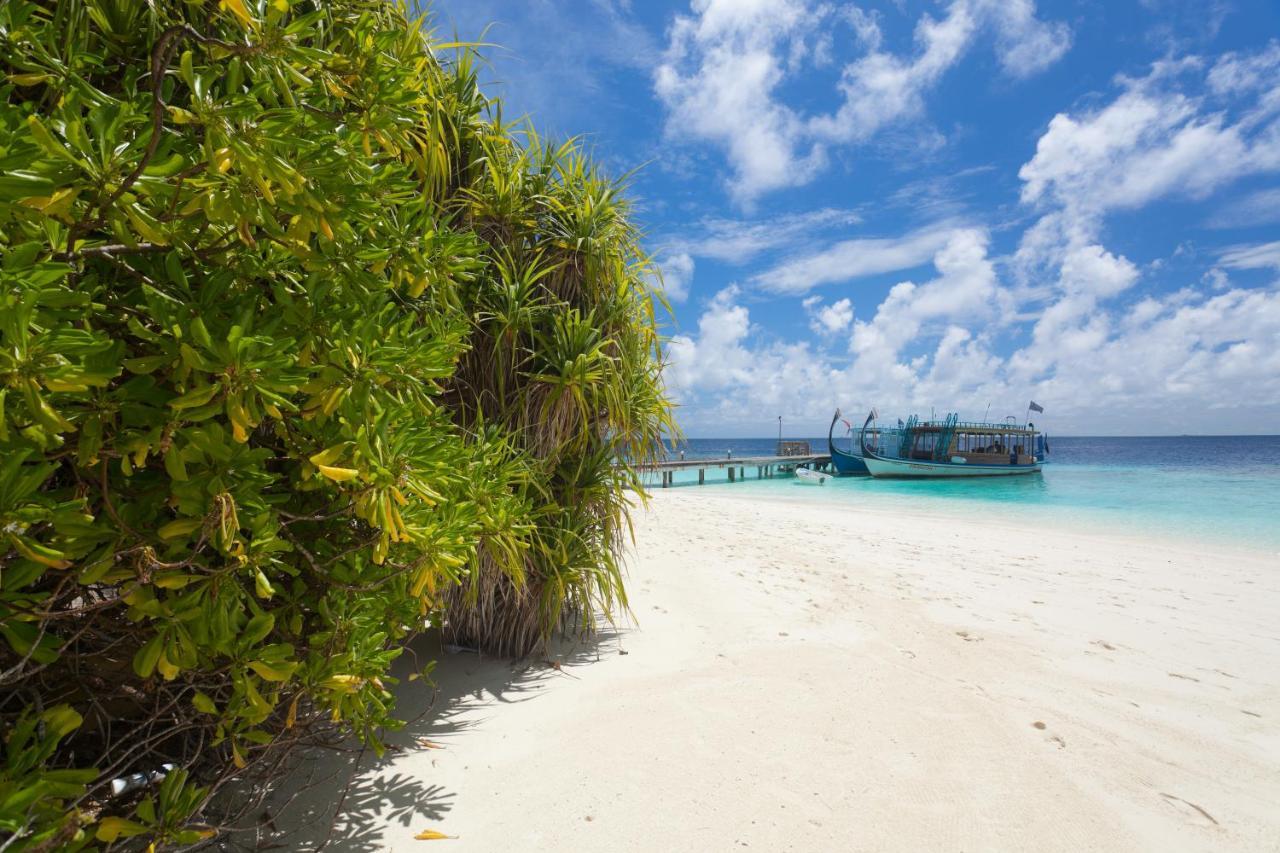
(952, 509)
(800, 678)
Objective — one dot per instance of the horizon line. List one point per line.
(1060, 435)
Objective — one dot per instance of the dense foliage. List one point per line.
(301, 349)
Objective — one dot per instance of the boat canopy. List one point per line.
(954, 441)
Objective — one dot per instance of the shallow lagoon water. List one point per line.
(1215, 489)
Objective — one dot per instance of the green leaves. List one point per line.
(300, 352)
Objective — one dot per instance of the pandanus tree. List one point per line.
(564, 359)
(301, 350)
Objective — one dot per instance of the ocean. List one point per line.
(1214, 489)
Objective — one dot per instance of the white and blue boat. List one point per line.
(952, 448)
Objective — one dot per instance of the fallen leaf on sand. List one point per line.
(432, 835)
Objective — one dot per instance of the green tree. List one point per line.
(301, 349)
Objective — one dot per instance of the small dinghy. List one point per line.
(808, 475)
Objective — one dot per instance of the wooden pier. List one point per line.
(766, 466)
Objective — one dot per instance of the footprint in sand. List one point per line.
(1185, 805)
(1040, 726)
(1104, 645)
(967, 637)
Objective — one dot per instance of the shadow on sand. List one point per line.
(344, 799)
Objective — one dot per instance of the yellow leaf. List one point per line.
(61, 719)
(41, 554)
(178, 115)
(340, 475)
(180, 527)
(29, 79)
(222, 159)
(261, 585)
(343, 683)
(173, 581)
(272, 673)
(65, 385)
(329, 455)
(432, 835)
(240, 10)
(168, 670)
(111, 828)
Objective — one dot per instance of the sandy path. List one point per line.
(903, 684)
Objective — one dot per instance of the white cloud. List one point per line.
(724, 367)
(1181, 362)
(731, 376)
(1177, 360)
(1253, 257)
(1257, 208)
(1163, 136)
(677, 276)
(716, 359)
(718, 78)
(964, 292)
(726, 62)
(1025, 44)
(1153, 141)
(737, 241)
(829, 320)
(1072, 325)
(1245, 72)
(851, 259)
(881, 87)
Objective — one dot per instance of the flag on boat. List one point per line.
(1036, 407)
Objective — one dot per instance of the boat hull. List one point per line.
(845, 464)
(902, 468)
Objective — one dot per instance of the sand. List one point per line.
(814, 677)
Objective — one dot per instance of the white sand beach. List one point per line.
(819, 678)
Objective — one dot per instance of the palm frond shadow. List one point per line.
(345, 799)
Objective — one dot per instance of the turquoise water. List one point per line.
(1204, 488)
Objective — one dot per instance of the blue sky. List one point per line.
(941, 205)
